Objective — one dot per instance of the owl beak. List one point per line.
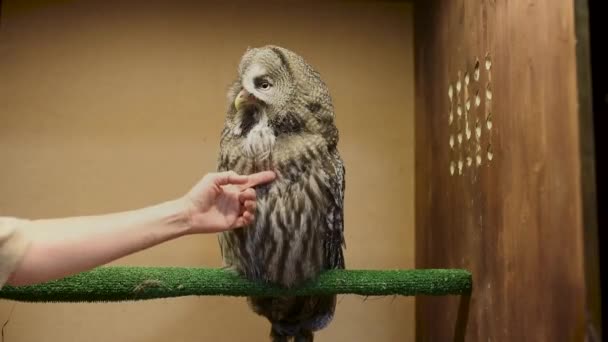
(244, 98)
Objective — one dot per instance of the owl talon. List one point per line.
(230, 269)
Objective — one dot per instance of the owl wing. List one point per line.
(334, 242)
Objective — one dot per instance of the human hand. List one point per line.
(223, 201)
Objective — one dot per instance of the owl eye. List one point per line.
(262, 83)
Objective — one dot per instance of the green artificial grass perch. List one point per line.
(122, 283)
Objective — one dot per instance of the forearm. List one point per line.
(61, 247)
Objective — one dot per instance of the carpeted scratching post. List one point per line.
(121, 283)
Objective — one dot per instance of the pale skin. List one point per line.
(65, 246)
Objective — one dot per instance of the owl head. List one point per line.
(273, 83)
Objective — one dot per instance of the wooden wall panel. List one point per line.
(590, 96)
(498, 188)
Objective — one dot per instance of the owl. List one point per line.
(281, 118)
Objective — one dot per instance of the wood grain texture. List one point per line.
(515, 221)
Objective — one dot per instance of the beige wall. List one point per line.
(108, 106)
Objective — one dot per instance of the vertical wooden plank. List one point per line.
(588, 179)
(499, 185)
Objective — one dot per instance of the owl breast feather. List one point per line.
(259, 141)
(285, 244)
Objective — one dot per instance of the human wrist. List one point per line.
(179, 216)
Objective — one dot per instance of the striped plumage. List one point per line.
(281, 118)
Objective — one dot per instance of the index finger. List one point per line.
(259, 178)
(230, 177)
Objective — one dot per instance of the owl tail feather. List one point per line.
(295, 317)
(302, 335)
(301, 332)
